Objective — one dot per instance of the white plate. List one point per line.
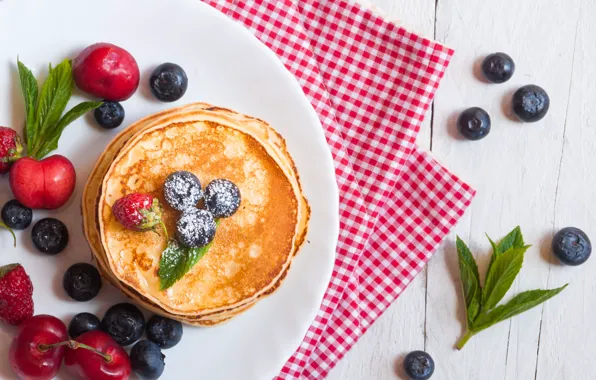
(226, 66)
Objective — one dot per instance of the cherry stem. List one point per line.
(14, 238)
(72, 344)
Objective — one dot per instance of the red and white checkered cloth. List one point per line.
(371, 83)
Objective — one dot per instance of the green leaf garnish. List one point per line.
(482, 309)
(44, 122)
(176, 261)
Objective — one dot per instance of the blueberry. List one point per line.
(530, 103)
(498, 68)
(572, 246)
(419, 365)
(168, 82)
(164, 332)
(195, 228)
(222, 198)
(182, 190)
(147, 360)
(81, 323)
(82, 282)
(16, 216)
(124, 322)
(49, 236)
(474, 123)
(109, 115)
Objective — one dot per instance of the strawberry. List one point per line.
(10, 148)
(139, 212)
(16, 292)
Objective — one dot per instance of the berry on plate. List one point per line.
(106, 71)
(37, 349)
(164, 332)
(530, 103)
(82, 282)
(474, 123)
(182, 190)
(195, 228)
(572, 246)
(16, 294)
(139, 212)
(146, 360)
(16, 216)
(10, 148)
(124, 322)
(222, 198)
(109, 115)
(96, 356)
(44, 184)
(50, 236)
(498, 68)
(168, 82)
(81, 323)
(419, 365)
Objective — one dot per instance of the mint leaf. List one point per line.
(518, 304)
(72, 115)
(514, 239)
(470, 280)
(30, 91)
(176, 261)
(501, 275)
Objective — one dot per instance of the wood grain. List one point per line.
(536, 175)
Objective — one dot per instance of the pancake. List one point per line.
(248, 259)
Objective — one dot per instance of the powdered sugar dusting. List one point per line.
(222, 198)
(182, 190)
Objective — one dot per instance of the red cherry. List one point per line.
(97, 356)
(28, 356)
(106, 71)
(44, 184)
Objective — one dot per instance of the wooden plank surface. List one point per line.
(536, 175)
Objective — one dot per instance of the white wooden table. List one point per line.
(539, 176)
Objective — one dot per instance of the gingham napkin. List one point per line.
(371, 83)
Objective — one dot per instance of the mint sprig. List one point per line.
(482, 309)
(44, 122)
(177, 260)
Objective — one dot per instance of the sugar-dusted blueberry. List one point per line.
(572, 246)
(81, 323)
(530, 103)
(498, 68)
(195, 228)
(222, 198)
(82, 282)
(419, 365)
(16, 216)
(165, 332)
(50, 236)
(109, 115)
(168, 82)
(474, 123)
(182, 190)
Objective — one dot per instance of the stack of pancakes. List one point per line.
(252, 250)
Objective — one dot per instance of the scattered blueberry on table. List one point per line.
(474, 123)
(16, 216)
(164, 332)
(572, 246)
(147, 360)
(124, 322)
(81, 323)
(82, 282)
(419, 365)
(168, 82)
(498, 68)
(109, 115)
(530, 103)
(50, 236)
